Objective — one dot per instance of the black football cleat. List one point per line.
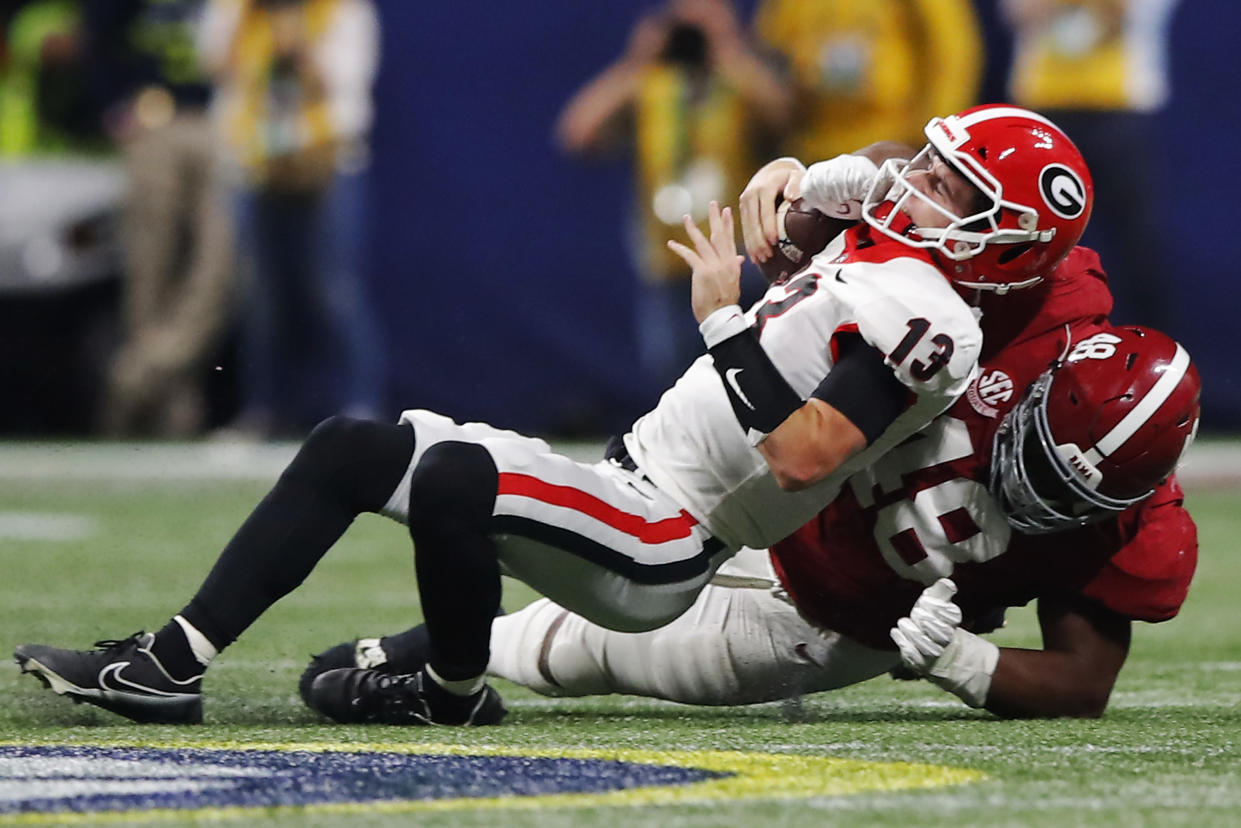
(123, 677)
(404, 652)
(354, 696)
(365, 653)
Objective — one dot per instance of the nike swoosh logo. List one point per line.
(110, 679)
(840, 279)
(731, 376)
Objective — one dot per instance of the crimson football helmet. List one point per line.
(1036, 196)
(1096, 432)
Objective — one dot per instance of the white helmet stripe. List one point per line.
(972, 118)
(1147, 406)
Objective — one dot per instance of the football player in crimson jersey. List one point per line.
(825, 607)
(815, 382)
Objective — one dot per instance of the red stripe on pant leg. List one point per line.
(658, 532)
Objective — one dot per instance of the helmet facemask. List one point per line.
(1041, 486)
(963, 237)
(1006, 226)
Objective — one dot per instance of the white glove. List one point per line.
(933, 645)
(836, 187)
(928, 629)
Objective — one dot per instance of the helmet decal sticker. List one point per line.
(1063, 191)
(991, 389)
(1099, 346)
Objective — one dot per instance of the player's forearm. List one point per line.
(1040, 684)
(812, 443)
(1084, 648)
(802, 441)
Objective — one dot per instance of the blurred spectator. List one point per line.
(294, 81)
(691, 99)
(1098, 68)
(178, 249)
(44, 101)
(871, 70)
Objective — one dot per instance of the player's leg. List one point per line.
(600, 540)
(345, 467)
(740, 643)
(452, 491)
(447, 498)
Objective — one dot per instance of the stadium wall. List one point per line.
(504, 284)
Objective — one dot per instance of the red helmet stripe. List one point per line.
(1146, 407)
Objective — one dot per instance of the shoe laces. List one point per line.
(390, 684)
(400, 694)
(116, 643)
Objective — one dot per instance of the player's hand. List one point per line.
(837, 187)
(757, 207)
(924, 634)
(714, 261)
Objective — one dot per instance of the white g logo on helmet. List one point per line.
(1063, 191)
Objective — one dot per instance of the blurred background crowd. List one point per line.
(236, 217)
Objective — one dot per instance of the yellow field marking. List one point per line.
(755, 776)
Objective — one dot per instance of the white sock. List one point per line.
(203, 649)
(465, 687)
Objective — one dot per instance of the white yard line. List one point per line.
(170, 461)
(1213, 463)
(49, 526)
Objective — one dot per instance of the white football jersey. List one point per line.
(693, 448)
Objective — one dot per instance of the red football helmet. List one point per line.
(1097, 432)
(1037, 195)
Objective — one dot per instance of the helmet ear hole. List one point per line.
(1013, 252)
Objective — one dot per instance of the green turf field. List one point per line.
(98, 548)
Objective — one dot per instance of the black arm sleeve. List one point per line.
(761, 398)
(863, 388)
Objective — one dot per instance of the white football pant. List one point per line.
(596, 538)
(741, 642)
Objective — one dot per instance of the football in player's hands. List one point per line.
(803, 233)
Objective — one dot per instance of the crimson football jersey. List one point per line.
(922, 511)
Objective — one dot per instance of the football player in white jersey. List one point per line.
(843, 599)
(816, 614)
(815, 382)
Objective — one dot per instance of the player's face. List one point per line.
(945, 188)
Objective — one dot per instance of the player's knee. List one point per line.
(335, 435)
(358, 460)
(547, 649)
(453, 486)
